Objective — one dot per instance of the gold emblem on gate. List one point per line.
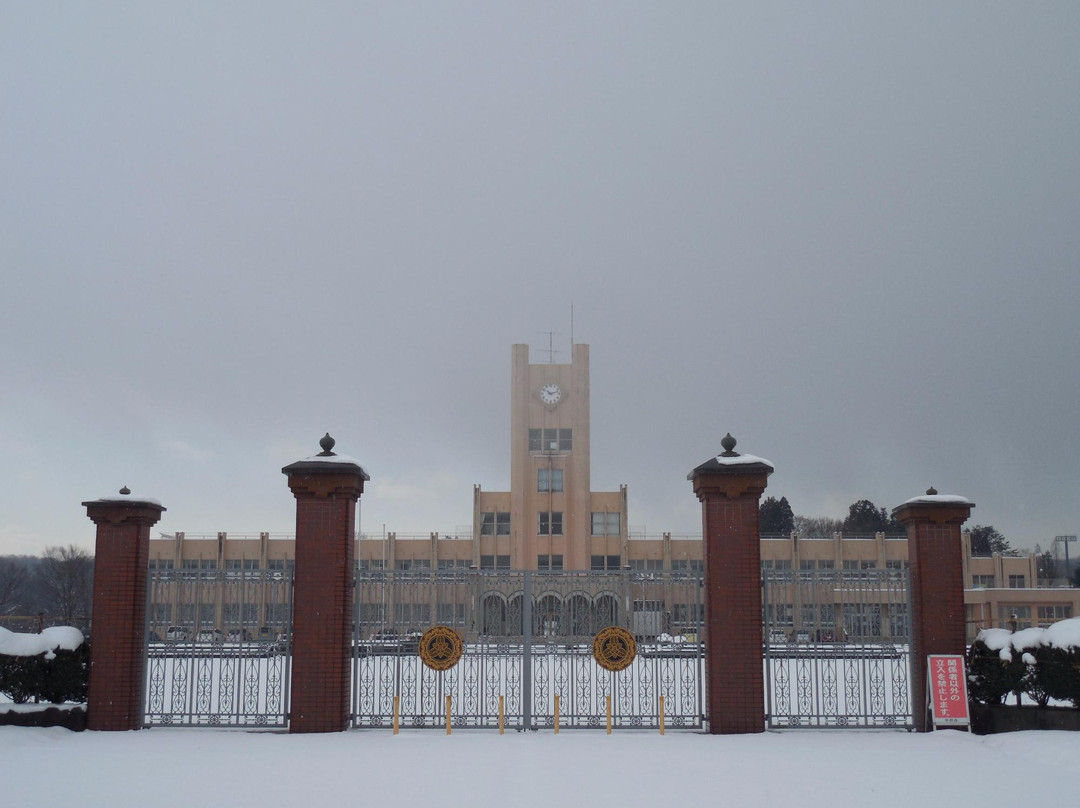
(440, 648)
(614, 648)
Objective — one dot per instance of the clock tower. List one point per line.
(550, 519)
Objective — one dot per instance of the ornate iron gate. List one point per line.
(837, 648)
(218, 647)
(527, 639)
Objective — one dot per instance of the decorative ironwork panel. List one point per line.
(527, 638)
(218, 648)
(837, 648)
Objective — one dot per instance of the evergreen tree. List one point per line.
(775, 516)
(865, 518)
(986, 540)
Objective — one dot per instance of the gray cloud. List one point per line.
(844, 233)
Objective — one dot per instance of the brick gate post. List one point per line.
(117, 651)
(937, 584)
(729, 487)
(326, 487)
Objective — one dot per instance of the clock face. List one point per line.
(550, 394)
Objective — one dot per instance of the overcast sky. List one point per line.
(848, 233)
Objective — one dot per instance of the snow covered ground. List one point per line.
(809, 769)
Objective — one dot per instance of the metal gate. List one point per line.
(218, 647)
(527, 640)
(837, 648)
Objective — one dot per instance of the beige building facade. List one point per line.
(551, 519)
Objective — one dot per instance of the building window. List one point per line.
(779, 614)
(647, 564)
(412, 613)
(495, 523)
(867, 565)
(1017, 581)
(1020, 615)
(850, 564)
(491, 562)
(1050, 614)
(453, 563)
(549, 523)
(367, 564)
(983, 581)
(683, 566)
(451, 613)
(412, 564)
(551, 440)
(549, 481)
(606, 524)
(549, 562)
(611, 562)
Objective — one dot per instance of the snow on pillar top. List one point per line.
(327, 462)
(731, 462)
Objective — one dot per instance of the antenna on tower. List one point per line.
(551, 345)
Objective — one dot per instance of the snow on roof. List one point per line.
(49, 640)
(944, 499)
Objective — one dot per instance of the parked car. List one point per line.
(176, 634)
(210, 635)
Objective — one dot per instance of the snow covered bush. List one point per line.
(1044, 663)
(53, 666)
(994, 671)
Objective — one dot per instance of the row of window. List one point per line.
(551, 440)
(1019, 617)
(830, 564)
(990, 581)
(550, 523)
(231, 613)
(859, 619)
(231, 564)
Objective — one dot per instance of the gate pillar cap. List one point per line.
(327, 462)
(934, 506)
(124, 499)
(731, 462)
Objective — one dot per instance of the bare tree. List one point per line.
(66, 578)
(13, 577)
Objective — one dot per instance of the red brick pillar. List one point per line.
(326, 487)
(729, 487)
(118, 645)
(937, 584)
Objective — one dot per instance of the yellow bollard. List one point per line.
(447, 715)
(556, 713)
(501, 714)
(397, 700)
(608, 715)
(661, 715)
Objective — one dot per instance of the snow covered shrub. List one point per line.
(1044, 663)
(994, 669)
(53, 666)
(1058, 661)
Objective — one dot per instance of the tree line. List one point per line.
(864, 518)
(56, 586)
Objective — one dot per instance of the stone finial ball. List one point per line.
(327, 444)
